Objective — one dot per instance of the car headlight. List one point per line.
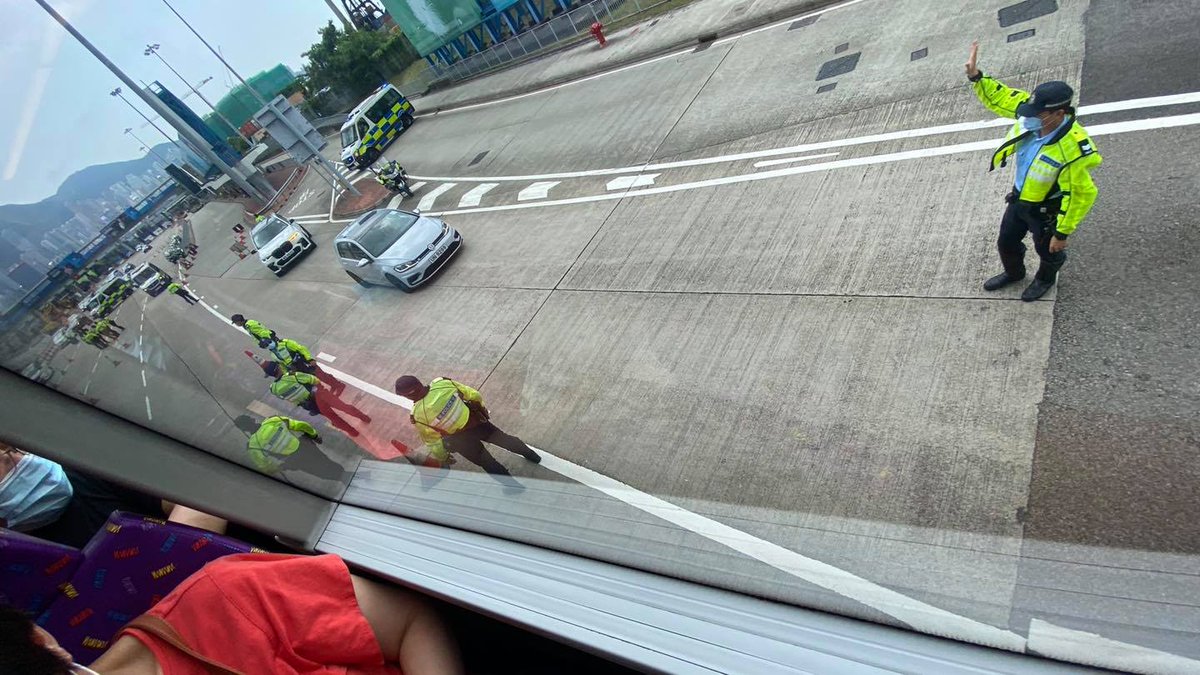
(406, 266)
(445, 228)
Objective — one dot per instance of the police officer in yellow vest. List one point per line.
(277, 439)
(1053, 189)
(295, 388)
(451, 417)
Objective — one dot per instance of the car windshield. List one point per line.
(798, 312)
(385, 231)
(267, 230)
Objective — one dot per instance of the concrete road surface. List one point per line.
(742, 312)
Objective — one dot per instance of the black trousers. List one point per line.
(1039, 220)
(469, 444)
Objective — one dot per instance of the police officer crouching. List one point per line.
(1052, 190)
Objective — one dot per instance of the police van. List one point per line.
(373, 124)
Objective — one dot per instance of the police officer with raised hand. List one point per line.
(1052, 189)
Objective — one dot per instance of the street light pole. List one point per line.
(334, 173)
(150, 148)
(152, 50)
(158, 107)
(119, 93)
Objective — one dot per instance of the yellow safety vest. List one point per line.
(294, 387)
(443, 411)
(275, 440)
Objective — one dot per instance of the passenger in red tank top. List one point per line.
(265, 613)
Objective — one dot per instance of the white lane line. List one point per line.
(538, 190)
(476, 194)
(417, 185)
(959, 127)
(1097, 130)
(395, 203)
(149, 415)
(1079, 646)
(309, 217)
(139, 342)
(431, 196)
(789, 160)
(354, 181)
(919, 615)
(626, 182)
(86, 385)
(326, 357)
(686, 50)
(95, 365)
(143, 377)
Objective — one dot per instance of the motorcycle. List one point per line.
(393, 177)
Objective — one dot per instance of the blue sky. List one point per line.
(59, 116)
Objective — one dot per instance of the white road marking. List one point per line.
(94, 365)
(431, 196)
(1096, 130)
(417, 185)
(626, 182)
(395, 202)
(357, 178)
(476, 194)
(143, 377)
(639, 64)
(538, 190)
(919, 615)
(1091, 649)
(86, 385)
(789, 160)
(312, 217)
(959, 127)
(149, 415)
(326, 357)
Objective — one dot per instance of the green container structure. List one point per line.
(239, 105)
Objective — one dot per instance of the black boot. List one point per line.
(1037, 289)
(1001, 280)
(1014, 269)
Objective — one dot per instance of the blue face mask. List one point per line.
(34, 494)
(1030, 123)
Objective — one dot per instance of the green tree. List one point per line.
(354, 64)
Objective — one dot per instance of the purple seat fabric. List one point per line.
(128, 566)
(31, 570)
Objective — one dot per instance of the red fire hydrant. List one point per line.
(597, 31)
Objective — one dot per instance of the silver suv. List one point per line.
(399, 248)
(280, 242)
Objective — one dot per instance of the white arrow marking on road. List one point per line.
(538, 190)
(431, 196)
(626, 182)
(472, 198)
(1083, 647)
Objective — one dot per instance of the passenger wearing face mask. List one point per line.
(45, 500)
(34, 492)
(1052, 189)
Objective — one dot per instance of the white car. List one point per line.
(280, 243)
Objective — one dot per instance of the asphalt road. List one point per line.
(769, 315)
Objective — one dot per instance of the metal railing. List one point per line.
(536, 39)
